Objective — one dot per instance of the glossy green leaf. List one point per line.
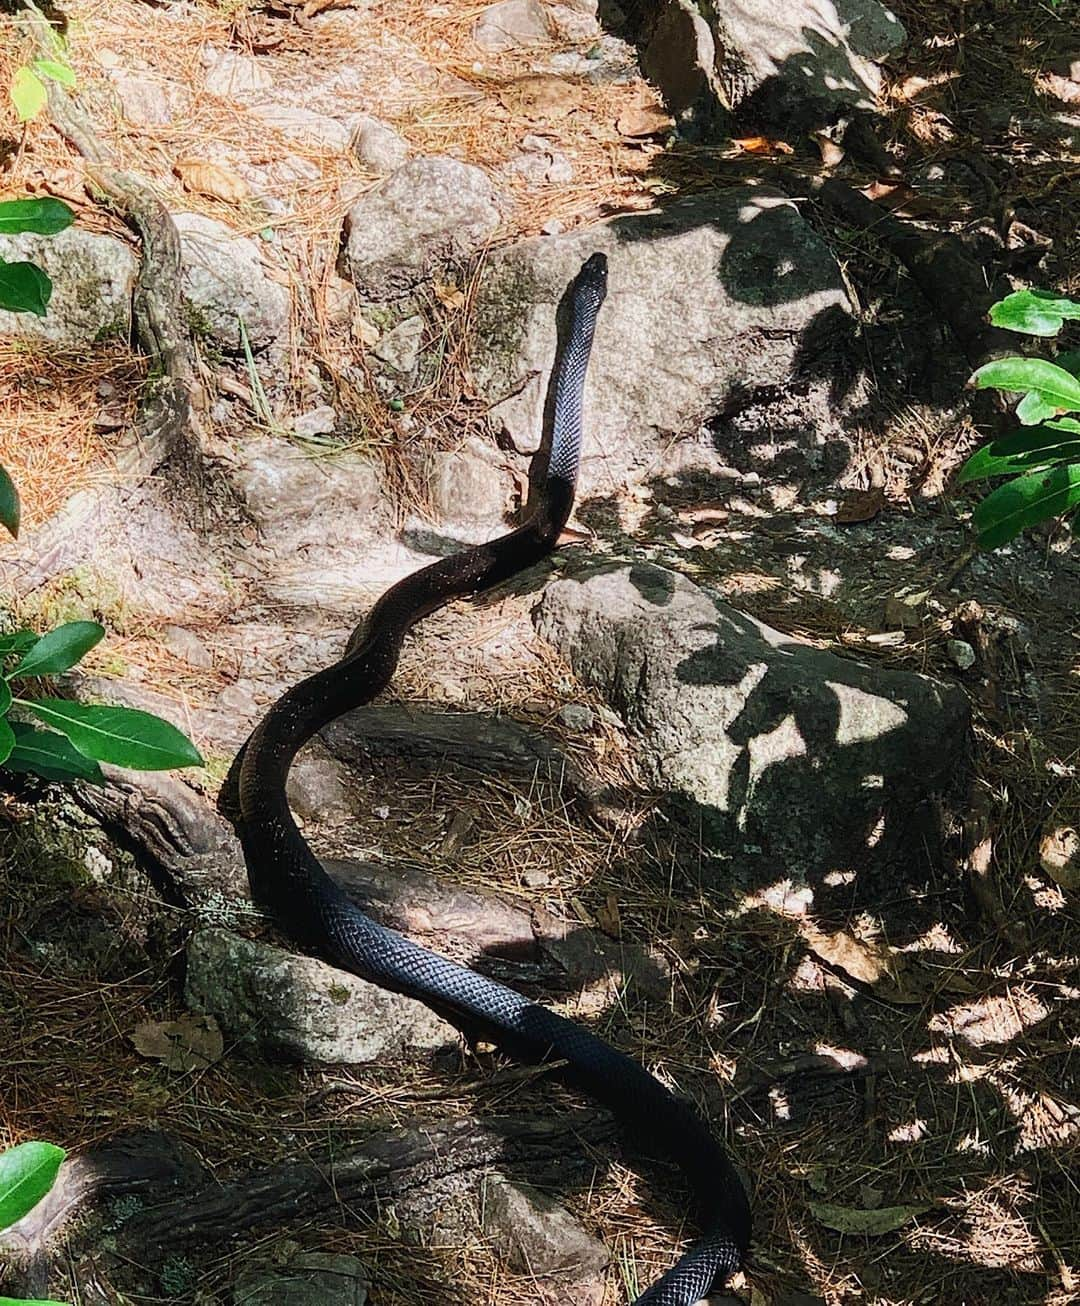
(1025, 502)
(5, 697)
(1034, 312)
(1015, 374)
(60, 649)
(59, 72)
(44, 217)
(121, 736)
(25, 1301)
(1035, 408)
(28, 94)
(27, 1172)
(24, 288)
(49, 755)
(7, 740)
(9, 504)
(18, 641)
(1024, 451)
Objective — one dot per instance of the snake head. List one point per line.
(590, 284)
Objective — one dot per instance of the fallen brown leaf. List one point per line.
(209, 179)
(191, 1043)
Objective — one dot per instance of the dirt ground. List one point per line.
(953, 1089)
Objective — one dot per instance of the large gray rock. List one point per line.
(93, 279)
(781, 747)
(712, 296)
(428, 211)
(301, 1007)
(789, 64)
(223, 280)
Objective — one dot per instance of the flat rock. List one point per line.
(779, 747)
(426, 212)
(223, 280)
(709, 298)
(302, 1008)
(93, 279)
(467, 484)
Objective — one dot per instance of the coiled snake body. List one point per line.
(287, 878)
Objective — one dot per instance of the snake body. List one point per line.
(288, 879)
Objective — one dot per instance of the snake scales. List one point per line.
(288, 879)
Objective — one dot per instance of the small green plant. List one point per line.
(27, 1172)
(79, 735)
(1042, 459)
(24, 288)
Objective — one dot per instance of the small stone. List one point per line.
(576, 716)
(425, 212)
(534, 878)
(510, 24)
(187, 646)
(314, 787)
(538, 1237)
(304, 126)
(382, 812)
(664, 512)
(552, 227)
(306, 1279)
(1059, 856)
(229, 74)
(317, 421)
(961, 654)
(400, 347)
(235, 698)
(378, 146)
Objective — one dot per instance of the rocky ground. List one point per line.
(768, 778)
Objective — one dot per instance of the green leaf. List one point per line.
(1034, 312)
(28, 94)
(24, 288)
(1026, 501)
(60, 649)
(1024, 451)
(122, 736)
(1056, 385)
(1034, 408)
(27, 1172)
(45, 217)
(7, 740)
(5, 698)
(850, 1219)
(9, 504)
(18, 641)
(25, 1301)
(59, 72)
(49, 755)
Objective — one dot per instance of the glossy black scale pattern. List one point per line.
(288, 879)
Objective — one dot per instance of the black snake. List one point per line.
(287, 878)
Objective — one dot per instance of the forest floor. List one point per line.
(963, 1101)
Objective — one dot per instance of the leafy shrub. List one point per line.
(27, 1173)
(80, 735)
(1043, 457)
